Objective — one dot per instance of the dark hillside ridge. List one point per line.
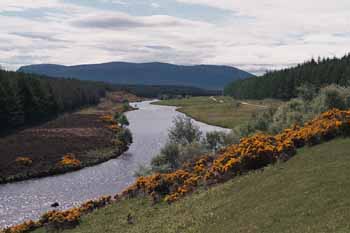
(26, 99)
(283, 84)
(202, 76)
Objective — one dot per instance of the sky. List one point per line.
(254, 35)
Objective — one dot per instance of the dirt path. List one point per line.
(255, 105)
(241, 102)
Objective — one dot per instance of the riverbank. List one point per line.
(84, 137)
(30, 199)
(219, 110)
(311, 190)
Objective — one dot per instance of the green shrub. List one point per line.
(216, 140)
(297, 111)
(168, 159)
(191, 152)
(123, 120)
(124, 136)
(184, 131)
(143, 171)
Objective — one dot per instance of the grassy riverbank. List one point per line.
(309, 193)
(83, 136)
(220, 111)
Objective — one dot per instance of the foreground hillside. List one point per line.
(202, 76)
(309, 193)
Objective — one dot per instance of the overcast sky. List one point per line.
(255, 35)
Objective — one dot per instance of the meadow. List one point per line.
(222, 111)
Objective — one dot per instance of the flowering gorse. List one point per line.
(58, 220)
(251, 153)
(24, 161)
(69, 160)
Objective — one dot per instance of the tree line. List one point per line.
(159, 91)
(284, 84)
(26, 98)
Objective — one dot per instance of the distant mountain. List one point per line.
(202, 76)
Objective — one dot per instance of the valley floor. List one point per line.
(309, 193)
(221, 111)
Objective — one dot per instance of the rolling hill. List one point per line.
(202, 76)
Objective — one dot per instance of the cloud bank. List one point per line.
(255, 35)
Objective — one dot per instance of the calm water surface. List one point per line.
(29, 199)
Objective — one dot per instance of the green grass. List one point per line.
(223, 112)
(309, 193)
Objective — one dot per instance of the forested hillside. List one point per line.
(28, 98)
(283, 84)
(156, 91)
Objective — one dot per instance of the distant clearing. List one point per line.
(221, 111)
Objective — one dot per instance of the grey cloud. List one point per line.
(158, 47)
(24, 59)
(39, 36)
(342, 34)
(127, 22)
(114, 22)
(262, 68)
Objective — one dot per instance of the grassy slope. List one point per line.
(224, 114)
(310, 193)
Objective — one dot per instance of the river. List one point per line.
(30, 199)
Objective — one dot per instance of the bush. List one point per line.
(184, 131)
(126, 106)
(124, 136)
(143, 171)
(297, 111)
(123, 120)
(24, 161)
(168, 159)
(307, 92)
(116, 116)
(185, 145)
(190, 152)
(216, 140)
(331, 97)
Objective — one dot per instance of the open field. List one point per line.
(309, 193)
(220, 111)
(82, 134)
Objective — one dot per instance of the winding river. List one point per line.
(29, 199)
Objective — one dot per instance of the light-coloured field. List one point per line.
(221, 111)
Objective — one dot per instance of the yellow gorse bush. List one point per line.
(111, 123)
(251, 153)
(61, 219)
(22, 228)
(107, 119)
(24, 161)
(69, 160)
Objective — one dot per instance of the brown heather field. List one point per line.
(82, 134)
